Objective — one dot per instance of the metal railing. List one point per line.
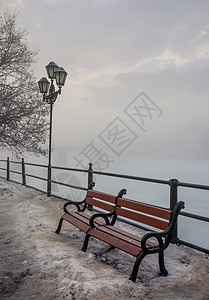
(173, 184)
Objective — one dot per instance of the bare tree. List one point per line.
(23, 115)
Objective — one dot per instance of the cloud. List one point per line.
(203, 33)
(203, 51)
(168, 59)
(169, 82)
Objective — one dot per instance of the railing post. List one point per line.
(23, 172)
(90, 180)
(49, 181)
(173, 202)
(7, 168)
(90, 175)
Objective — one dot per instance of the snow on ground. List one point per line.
(36, 263)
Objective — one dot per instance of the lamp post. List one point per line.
(47, 88)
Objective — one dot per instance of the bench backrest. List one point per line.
(143, 213)
(101, 200)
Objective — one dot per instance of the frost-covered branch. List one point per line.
(23, 115)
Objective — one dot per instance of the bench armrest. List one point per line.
(164, 237)
(78, 204)
(101, 215)
(75, 203)
(106, 215)
(156, 249)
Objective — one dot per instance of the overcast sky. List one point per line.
(113, 50)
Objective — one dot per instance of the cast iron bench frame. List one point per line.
(139, 247)
(79, 218)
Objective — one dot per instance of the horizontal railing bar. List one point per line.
(70, 169)
(59, 197)
(193, 216)
(16, 172)
(193, 246)
(183, 184)
(37, 189)
(15, 162)
(12, 180)
(69, 185)
(3, 160)
(133, 177)
(193, 185)
(34, 176)
(116, 175)
(36, 165)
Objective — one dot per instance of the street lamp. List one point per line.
(58, 74)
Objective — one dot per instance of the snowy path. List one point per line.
(38, 264)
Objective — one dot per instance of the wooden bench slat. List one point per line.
(131, 235)
(84, 217)
(123, 235)
(119, 235)
(147, 209)
(80, 214)
(80, 220)
(97, 222)
(79, 223)
(160, 224)
(105, 197)
(115, 242)
(99, 204)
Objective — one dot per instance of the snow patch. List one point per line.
(37, 263)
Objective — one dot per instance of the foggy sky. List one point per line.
(115, 49)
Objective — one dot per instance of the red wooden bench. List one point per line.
(159, 219)
(80, 218)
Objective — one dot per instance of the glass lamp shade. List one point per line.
(50, 68)
(60, 76)
(43, 85)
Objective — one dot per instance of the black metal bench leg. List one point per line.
(163, 270)
(136, 266)
(85, 243)
(59, 226)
